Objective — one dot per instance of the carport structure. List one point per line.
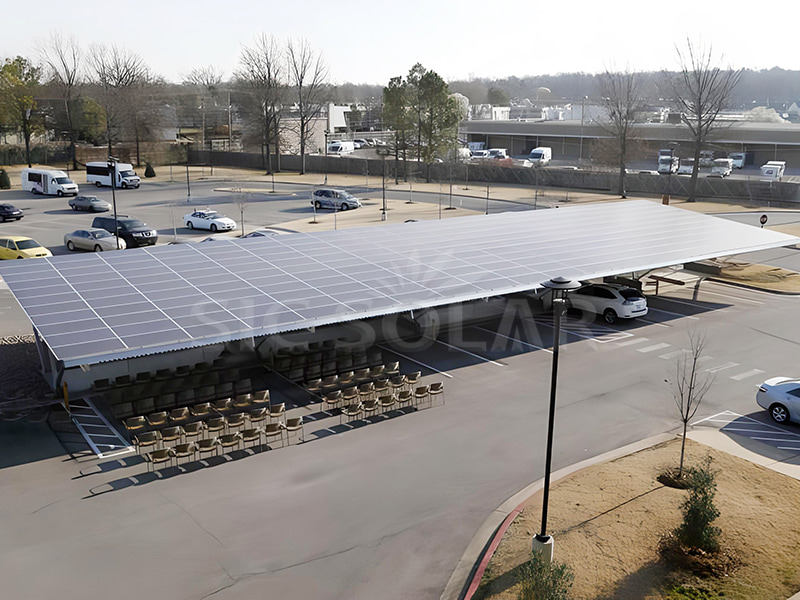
(95, 309)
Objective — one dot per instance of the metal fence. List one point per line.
(750, 190)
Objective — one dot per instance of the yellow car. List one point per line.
(18, 246)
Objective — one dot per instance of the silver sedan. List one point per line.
(93, 239)
(90, 203)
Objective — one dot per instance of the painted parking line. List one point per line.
(766, 433)
(674, 354)
(598, 333)
(649, 322)
(722, 367)
(414, 360)
(654, 347)
(746, 374)
(483, 358)
(675, 314)
(514, 339)
(726, 416)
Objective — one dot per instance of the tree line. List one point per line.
(107, 93)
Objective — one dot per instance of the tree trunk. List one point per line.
(683, 449)
(136, 133)
(71, 135)
(108, 134)
(693, 181)
(266, 142)
(26, 133)
(302, 146)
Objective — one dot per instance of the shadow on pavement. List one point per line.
(23, 442)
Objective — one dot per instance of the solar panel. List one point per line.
(96, 307)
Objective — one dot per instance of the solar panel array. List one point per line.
(94, 307)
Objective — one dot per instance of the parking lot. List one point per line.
(384, 510)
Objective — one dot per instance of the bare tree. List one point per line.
(262, 73)
(207, 79)
(63, 56)
(308, 75)
(621, 100)
(689, 385)
(144, 107)
(116, 72)
(702, 91)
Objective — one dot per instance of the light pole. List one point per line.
(487, 197)
(112, 171)
(583, 107)
(383, 190)
(188, 188)
(327, 133)
(559, 286)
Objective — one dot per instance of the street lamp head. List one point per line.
(561, 283)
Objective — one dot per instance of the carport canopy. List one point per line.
(92, 308)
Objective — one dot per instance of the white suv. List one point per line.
(609, 300)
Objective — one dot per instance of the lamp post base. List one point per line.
(543, 545)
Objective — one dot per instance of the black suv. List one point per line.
(133, 231)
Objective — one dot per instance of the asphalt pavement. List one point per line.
(383, 510)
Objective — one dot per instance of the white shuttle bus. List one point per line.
(99, 174)
(48, 182)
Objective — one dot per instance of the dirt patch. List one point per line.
(612, 525)
(762, 276)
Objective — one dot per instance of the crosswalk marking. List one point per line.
(746, 374)
(722, 367)
(633, 341)
(654, 347)
(675, 354)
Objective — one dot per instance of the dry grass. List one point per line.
(612, 522)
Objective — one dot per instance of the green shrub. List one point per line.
(544, 581)
(5, 182)
(699, 510)
(148, 171)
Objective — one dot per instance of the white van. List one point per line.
(497, 153)
(773, 170)
(686, 166)
(738, 159)
(541, 156)
(99, 174)
(722, 167)
(50, 183)
(341, 147)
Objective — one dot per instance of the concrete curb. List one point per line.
(752, 287)
(470, 568)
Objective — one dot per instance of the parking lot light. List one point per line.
(559, 286)
(112, 171)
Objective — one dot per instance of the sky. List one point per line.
(369, 42)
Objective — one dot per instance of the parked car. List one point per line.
(781, 397)
(9, 212)
(611, 301)
(361, 143)
(479, 154)
(18, 246)
(93, 239)
(90, 203)
(335, 199)
(133, 231)
(208, 219)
